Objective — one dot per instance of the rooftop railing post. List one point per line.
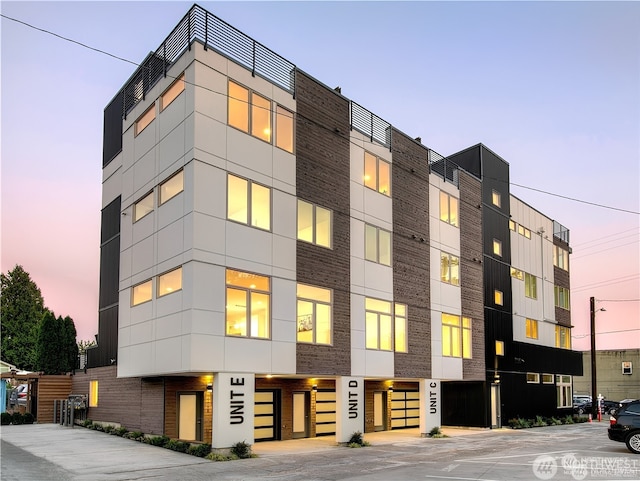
(189, 31)
(206, 29)
(253, 60)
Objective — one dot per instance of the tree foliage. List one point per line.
(21, 310)
(56, 348)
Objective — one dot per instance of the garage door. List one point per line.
(325, 412)
(405, 409)
(265, 419)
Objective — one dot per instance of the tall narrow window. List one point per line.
(563, 337)
(142, 292)
(466, 337)
(449, 269)
(377, 174)
(561, 258)
(238, 107)
(561, 297)
(378, 325)
(400, 327)
(512, 225)
(314, 224)
(448, 208)
(564, 391)
(93, 394)
(377, 245)
(530, 286)
(260, 117)
(496, 198)
(171, 187)
(531, 328)
(451, 336)
(172, 92)
(497, 247)
(170, 282)
(284, 129)
(143, 207)
(314, 314)
(248, 203)
(145, 119)
(248, 304)
(498, 297)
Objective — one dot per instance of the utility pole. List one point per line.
(594, 390)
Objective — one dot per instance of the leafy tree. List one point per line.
(83, 345)
(21, 309)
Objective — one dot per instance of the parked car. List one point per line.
(608, 407)
(581, 398)
(624, 427)
(19, 395)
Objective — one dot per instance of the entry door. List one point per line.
(379, 411)
(301, 401)
(190, 416)
(496, 421)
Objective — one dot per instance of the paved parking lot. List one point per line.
(51, 452)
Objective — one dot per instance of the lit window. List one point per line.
(456, 336)
(143, 207)
(527, 233)
(531, 328)
(248, 203)
(449, 269)
(561, 297)
(314, 224)
(377, 174)
(498, 297)
(512, 225)
(499, 348)
(400, 327)
(377, 245)
(496, 198)
(521, 230)
(563, 337)
(547, 379)
(379, 332)
(561, 258)
(142, 292)
(248, 299)
(530, 286)
(171, 187)
(172, 92)
(564, 391)
(250, 112)
(170, 282)
(284, 129)
(533, 378)
(93, 394)
(517, 273)
(448, 208)
(145, 119)
(497, 247)
(314, 314)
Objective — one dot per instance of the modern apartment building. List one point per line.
(278, 262)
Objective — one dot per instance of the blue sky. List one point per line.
(552, 87)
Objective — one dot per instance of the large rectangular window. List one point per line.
(142, 292)
(171, 187)
(564, 391)
(400, 327)
(530, 287)
(448, 208)
(456, 336)
(248, 310)
(531, 328)
(377, 174)
(563, 337)
(377, 245)
(561, 297)
(449, 269)
(248, 203)
(172, 92)
(378, 325)
(251, 113)
(561, 258)
(170, 282)
(145, 119)
(314, 224)
(314, 314)
(93, 394)
(143, 207)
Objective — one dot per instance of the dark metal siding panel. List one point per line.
(107, 348)
(411, 280)
(112, 133)
(109, 272)
(469, 160)
(323, 178)
(463, 404)
(110, 221)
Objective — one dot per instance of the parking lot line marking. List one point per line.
(452, 477)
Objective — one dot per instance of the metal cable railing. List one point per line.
(370, 124)
(560, 231)
(443, 167)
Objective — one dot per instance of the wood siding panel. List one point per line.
(50, 389)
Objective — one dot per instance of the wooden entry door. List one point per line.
(190, 415)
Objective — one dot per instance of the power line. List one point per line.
(618, 280)
(604, 237)
(582, 336)
(604, 250)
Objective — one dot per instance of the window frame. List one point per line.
(378, 161)
(445, 204)
(171, 93)
(315, 302)
(378, 334)
(449, 277)
(564, 391)
(249, 204)
(314, 224)
(559, 337)
(139, 202)
(94, 387)
(161, 199)
(378, 232)
(547, 378)
(517, 273)
(561, 258)
(531, 328)
(561, 297)
(248, 292)
(530, 286)
(138, 285)
(279, 116)
(533, 378)
(144, 120)
(457, 330)
(400, 327)
(159, 283)
(496, 198)
(497, 247)
(498, 297)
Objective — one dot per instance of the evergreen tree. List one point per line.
(70, 345)
(50, 355)
(21, 309)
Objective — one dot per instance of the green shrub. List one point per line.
(87, 423)
(5, 419)
(108, 428)
(17, 418)
(242, 450)
(568, 419)
(135, 435)
(199, 450)
(519, 423)
(28, 418)
(158, 440)
(437, 433)
(175, 445)
(539, 421)
(220, 457)
(555, 421)
(121, 431)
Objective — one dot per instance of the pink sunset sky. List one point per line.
(551, 87)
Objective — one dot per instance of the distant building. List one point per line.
(617, 374)
(279, 262)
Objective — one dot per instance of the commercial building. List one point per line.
(278, 262)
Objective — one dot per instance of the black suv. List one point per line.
(625, 426)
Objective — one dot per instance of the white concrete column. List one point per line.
(349, 407)
(233, 406)
(430, 405)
